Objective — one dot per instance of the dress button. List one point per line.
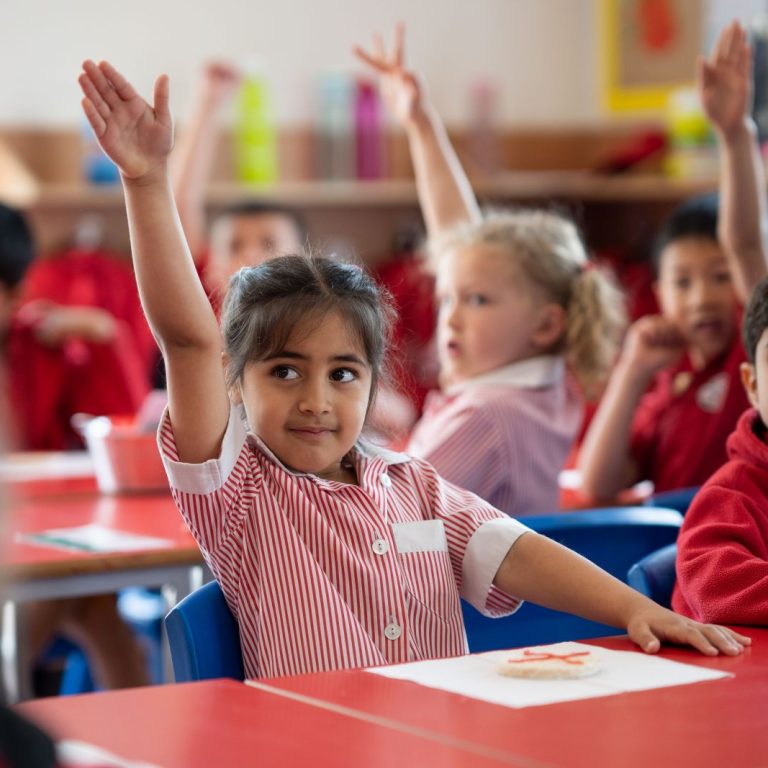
(380, 546)
(392, 631)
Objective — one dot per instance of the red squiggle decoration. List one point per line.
(541, 656)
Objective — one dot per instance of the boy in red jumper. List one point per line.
(674, 395)
(722, 559)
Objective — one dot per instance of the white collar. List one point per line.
(532, 373)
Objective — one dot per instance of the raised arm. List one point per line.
(138, 138)
(605, 461)
(724, 85)
(193, 155)
(445, 194)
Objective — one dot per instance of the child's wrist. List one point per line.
(158, 174)
(745, 129)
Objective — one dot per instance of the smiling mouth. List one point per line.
(313, 434)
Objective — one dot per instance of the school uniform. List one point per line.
(681, 425)
(323, 575)
(48, 385)
(94, 279)
(504, 435)
(722, 559)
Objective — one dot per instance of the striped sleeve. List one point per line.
(213, 495)
(479, 538)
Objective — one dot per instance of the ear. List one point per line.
(551, 326)
(749, 380)
(235, 394)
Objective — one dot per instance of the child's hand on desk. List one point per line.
(652, 344)
(136, 136)
(400, 88)
(652, 625)
(724, 80)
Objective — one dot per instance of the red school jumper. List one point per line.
(722, 557)
(681, 425)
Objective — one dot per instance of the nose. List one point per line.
(702, 292)
(450, 314)
(314, 397)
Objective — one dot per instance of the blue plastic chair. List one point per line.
(613, 538)
(204, 637)
(654, 575)
(679, 499)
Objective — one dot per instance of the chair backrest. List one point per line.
(612, 538)
(203, 637)
(679, 499)
(654, 575)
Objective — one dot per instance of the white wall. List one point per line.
(541, 52)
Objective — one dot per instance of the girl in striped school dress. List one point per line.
(526, 322)
(330, 552)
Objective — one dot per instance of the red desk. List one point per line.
(357, 718)
(41, 572)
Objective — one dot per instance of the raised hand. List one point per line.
(219, 81)
(724, 79)
(136, 136)
(400, 88)
(652, 344)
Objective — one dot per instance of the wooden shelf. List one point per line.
(526, 185)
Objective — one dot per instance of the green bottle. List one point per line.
(255, 141)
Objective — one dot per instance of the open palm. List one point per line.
(724, 81)
(400, 88)
(135, 135)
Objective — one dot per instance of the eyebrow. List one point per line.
(287, 354)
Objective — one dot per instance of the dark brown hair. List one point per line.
(264, 304)
(755, 319)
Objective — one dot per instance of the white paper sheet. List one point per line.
(18, 467)
(477, 676)
(94, 538)
(81, 754)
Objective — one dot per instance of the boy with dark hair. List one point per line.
(722, 558)
(674, 395)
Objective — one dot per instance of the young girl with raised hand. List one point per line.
(331, 553)
(526, 323)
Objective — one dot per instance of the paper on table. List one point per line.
(94, 538)
(477, 676)
(43, 465)
(81, 754)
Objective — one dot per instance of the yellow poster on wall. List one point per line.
(648, 48)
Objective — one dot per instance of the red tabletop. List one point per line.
(720, 722)
(224, 723)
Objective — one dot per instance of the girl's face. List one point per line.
(309, 401)
(489, 313)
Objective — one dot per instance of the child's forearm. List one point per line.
(604, 459)
(546, 573)
(445, 194)
(743, 221)
(190, 171)
(173, 298)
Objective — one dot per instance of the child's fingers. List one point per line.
(93, 96)
(399, 52)
(379, 49)
(96, 121)
(735, 42)
(103, 86)
(161, 97)
(645, 638)
(124, 89)
(371, 61)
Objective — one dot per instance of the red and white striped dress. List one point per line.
(322, 575)
(504, 435)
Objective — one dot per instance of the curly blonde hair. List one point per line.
(549, 249)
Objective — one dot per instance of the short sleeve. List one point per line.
(213, 495)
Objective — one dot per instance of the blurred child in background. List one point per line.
(526, 322)
(675, 394)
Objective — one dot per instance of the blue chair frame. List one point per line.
(655, 575)
(612, 538)
(204, 637)
(679, 499)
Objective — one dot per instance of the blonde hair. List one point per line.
(550, 251)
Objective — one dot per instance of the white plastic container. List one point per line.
(125, 459)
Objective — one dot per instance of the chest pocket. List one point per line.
(422, 550)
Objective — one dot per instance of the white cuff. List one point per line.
(483, 556)
(210, 475)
